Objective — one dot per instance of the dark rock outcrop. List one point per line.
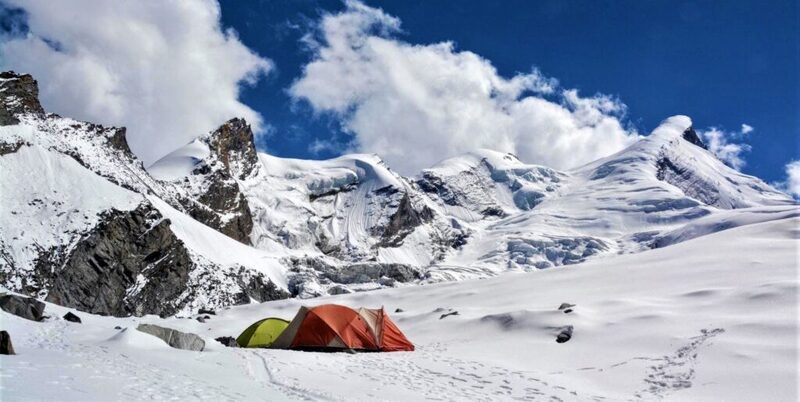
(174, 338)
(9, 147)
(20, 95)
(564, 334)
(404, 220)
(6, 347)
(364, 272)
(214, 196)
(690, 135)
(228, 341)
(258, 288)
(433, 184)
(222, 197)
(25, 307)
(72, 317)
(234, 145)
(132, 263)
(448, 314)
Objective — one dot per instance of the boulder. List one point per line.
(339, 290)
(21, 306)
(564, 334)
(6, 348)
(72, 317)
(174, 338)
(228, 341)
(565, 306)
(206, 311)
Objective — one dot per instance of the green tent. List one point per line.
(262, 333)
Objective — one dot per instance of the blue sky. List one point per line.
(722, 63)
(557, 82)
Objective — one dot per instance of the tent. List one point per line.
(262, 333)
(332, 327)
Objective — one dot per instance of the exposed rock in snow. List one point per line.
(208, 170)
(25, 307)
(19, 94)
(174, 338)
(72, 317)
(690, 135)
(131, 263)
(6, 346)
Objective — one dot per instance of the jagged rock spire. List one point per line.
(235, 147)
(19, 94)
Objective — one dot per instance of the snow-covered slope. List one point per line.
(45, 217)
(713, 318)
(523, 217)
(244, 226)
(350, 222)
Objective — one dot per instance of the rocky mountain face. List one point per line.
(212, 192)
(79, 229)
(131, 263)
(216, 223)
(19, 95)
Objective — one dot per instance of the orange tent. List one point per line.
(335, 327)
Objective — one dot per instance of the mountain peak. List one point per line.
(20, 95)
(233, 143)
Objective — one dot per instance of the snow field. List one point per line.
(693, 321)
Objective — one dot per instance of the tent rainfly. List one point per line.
(262, 333)
(331, 327)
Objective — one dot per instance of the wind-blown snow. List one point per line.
(693, 321)
(181, 162)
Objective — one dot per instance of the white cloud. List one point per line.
(318, 146)
(747, 129)
(720, 144)
(166, 70)
(417, 104)
(792, 183)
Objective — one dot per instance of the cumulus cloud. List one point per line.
(722, 144)
(166, 70)
(792, 183)
(417, 104)
(746, 129)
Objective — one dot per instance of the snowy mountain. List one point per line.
(84, 225)
(216, 223)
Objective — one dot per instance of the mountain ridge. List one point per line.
(244, 226)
